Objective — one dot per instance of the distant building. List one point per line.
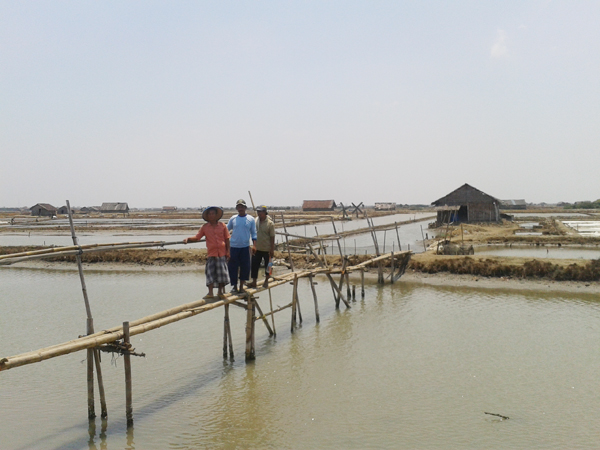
(513, 204)
(120, 208)
(318, 205)
(467, 204)
(168, 209)
(43, 209)
(385, 206)
(63, 210)
(88, 209)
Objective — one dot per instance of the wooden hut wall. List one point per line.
(483, 212)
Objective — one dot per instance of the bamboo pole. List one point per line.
(230, 339)
(314, 292)
(128, 386)
(362, 283)
(298, 309)
(49, 251)
(265, 321)
(294, 303)
(309, 238)
(338, 240)
(90, 384)
(398, 236)
(423, 237)
(89, 328)
(12, 259)
(341, 283)
(225, 337)
(334, 286)
(103, 407)
(272, 314)
(250, 356)
(348, 293)
(289, 305)
(287, 242)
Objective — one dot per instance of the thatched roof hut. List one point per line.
(43, 209)
(467, 204)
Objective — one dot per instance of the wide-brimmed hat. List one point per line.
(216, 208)
(241, 201)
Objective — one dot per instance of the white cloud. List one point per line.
(499, 48)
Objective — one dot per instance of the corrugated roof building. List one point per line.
(318, 205)
(513, 204)
(122, 208)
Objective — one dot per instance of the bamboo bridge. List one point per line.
(117, 339)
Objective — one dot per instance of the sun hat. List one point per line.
(218, 209)
(240, 202)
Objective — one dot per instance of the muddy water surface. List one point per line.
(410, 367)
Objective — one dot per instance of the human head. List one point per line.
(218, 211)
(262, 212)
(240, 206)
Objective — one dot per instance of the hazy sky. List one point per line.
(193, 103)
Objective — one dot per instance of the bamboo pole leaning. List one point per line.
(79, 250)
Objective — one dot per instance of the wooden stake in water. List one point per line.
(227, 344)
(128, 385)
(362, 283)
(294, 303)
(272, 315)
(314, 292)
(250, 356)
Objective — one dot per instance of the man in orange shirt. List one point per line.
(217, 243)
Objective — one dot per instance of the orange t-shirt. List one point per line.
(216, 236)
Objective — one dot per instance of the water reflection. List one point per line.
(102, 436)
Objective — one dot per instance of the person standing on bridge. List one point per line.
(243, 229)
(217, 244)
(265, 244)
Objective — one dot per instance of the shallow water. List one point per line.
(408, 367)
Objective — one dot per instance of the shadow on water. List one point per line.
(202, 381)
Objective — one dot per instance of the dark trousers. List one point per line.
(256, 259)
(239, 259)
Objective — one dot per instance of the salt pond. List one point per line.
(585, 227)
(410, 367)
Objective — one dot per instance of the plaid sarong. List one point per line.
(216, 270)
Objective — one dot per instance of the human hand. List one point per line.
(254, 249)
